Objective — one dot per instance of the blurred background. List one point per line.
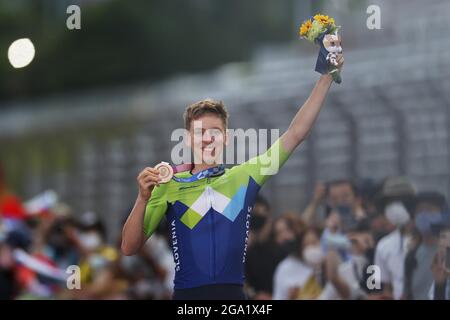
(98, 104)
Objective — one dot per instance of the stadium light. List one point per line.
(21, 53)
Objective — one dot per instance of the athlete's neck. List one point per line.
(202, 166)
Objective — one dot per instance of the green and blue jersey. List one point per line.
(209, 219)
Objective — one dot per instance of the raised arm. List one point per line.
(307, 115)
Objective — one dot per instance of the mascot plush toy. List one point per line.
(322, 30)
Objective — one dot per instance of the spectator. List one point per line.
(8, 285)
(396, 189)
(396, 200)
(298, 276)
(391, 251)
(348, 279)
(340, 196)
(256, 286)
(418, 278)
(260, 227)
(154, 268)
(333, 237)
(440, 289)
(96, 254)
(263, 257)
(102, 275)
(51, 247)
(15, 235)
(368, 189)
(59, 241)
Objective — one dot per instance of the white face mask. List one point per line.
(90, 241)
(313, 255)
(396, 214)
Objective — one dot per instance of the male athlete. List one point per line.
(208, 207)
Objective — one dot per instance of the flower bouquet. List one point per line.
(322, 30)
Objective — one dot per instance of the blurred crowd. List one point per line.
(364, 240)
(47, 251)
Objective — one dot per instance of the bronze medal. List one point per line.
(165, 171)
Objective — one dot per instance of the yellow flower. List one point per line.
(324, 20)
(305, 27)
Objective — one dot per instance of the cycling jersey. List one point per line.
(209, 219)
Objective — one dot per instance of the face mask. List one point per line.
(424, 220)
(397, 214)
(258, 221)
(313, 255)
(90, 241)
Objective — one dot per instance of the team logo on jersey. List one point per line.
(221, 204)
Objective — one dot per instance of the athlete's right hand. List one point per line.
(147, 180)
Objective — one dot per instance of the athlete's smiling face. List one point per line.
(207, 137)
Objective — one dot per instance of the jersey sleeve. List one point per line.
(267, 164)
(155, 210)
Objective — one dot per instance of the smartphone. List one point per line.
(347, 219)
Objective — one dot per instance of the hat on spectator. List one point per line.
(396, 189)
